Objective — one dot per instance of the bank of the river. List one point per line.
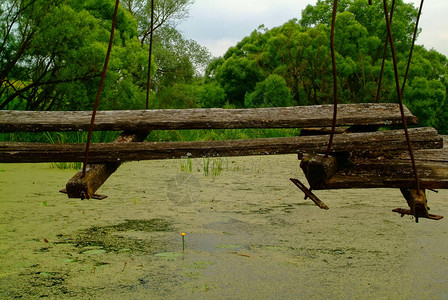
(249, 235)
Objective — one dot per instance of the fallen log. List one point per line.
(214, 118)
(121, 152)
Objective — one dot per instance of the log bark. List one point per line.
(214, 118)
(318, 169)
(121, 152)
(309, 194)
(85, 187)
(417, 202)
(404, 212)
(338, 130)
(96, 174)
(321, 131)
(432, 166)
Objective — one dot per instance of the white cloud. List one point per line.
(219, 47)
(219, 24)
(234, 7)
(434, 25)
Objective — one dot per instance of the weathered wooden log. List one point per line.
(309, 194)
(418, 205)
(321, 131)
(403, 212)
(214, 118)
(121, 152)
(318, 169)
(416, 200)
(432, 167)
(84, 187)
(338, 130)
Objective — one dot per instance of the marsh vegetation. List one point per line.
(249, 233)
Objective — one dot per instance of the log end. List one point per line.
(84, 187)
(318, 169)
(79, 188)
(416, 200)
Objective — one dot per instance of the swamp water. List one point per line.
(249, 235)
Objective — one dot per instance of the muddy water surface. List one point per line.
(249, 235)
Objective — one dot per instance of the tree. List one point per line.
(18, 28)
(56, 52)
(369, 16)
(271, 92)
(212, 68)
(238, 76)
(424, 98)
(52, 52)
(212, 95)
(299, 52)
(177, 59)
(179, 95)
(166, 14)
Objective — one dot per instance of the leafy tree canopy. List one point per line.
(55, 52)
(52, 53)
(299, 52)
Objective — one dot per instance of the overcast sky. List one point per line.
(220, 24)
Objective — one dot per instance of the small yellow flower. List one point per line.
(182, 234)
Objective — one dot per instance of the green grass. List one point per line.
(58, 137)
(209, 166)
(66, 165)
(186, 165)
(219, 134)
(156, 135)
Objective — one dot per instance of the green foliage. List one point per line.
(218, 134)
(166, 14)
(60, 65)
(58, 137)
(212, 68)
(212, 95)
(299, 52)
(426, 98)
(271, 92)
(52, 53)
(179, 95)
(238, 76)
(177, 59)
(369, 16)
